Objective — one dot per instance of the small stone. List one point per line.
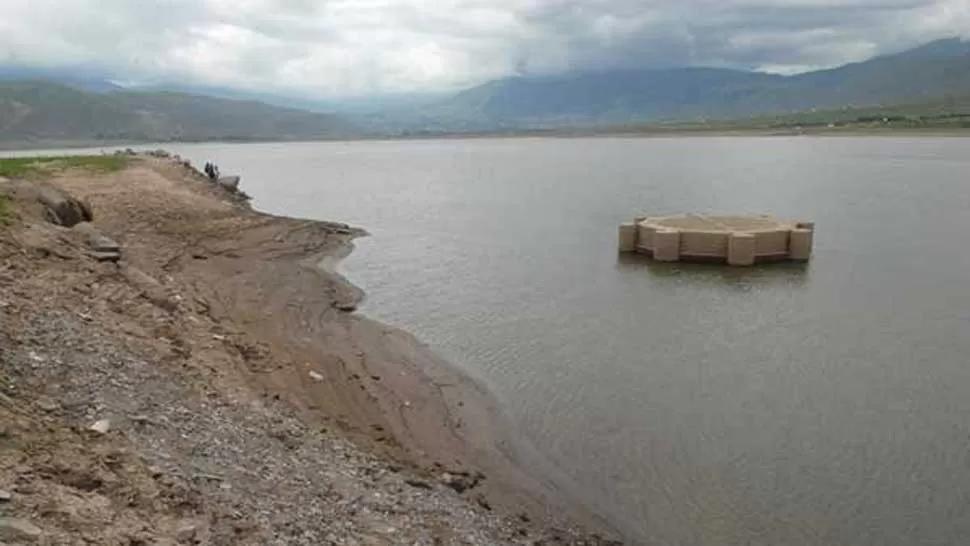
(155, 471)
(97, 241)
(105, 256)
(315, 376)
(25, 488)
(104, 244)
(461, 481)
(346, 307)
(19, 530)
(101, 427)
(419, 484)
(186, 531)
(5, 495)
(48, 405)
(483, 502)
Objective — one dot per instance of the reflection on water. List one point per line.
(694, 405)
(735, 278)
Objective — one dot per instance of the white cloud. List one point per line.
(355, 47)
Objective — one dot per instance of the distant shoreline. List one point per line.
(654, 132)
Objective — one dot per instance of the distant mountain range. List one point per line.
(929, 72)
(54, 112)
(78, 78)
(86, 105)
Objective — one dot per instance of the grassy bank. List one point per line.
(26, 167)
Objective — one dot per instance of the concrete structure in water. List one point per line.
(737, 240)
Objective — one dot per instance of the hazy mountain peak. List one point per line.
(620, 96)
(939, 49)
(36, 111)
(592, 97)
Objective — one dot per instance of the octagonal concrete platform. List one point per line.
(734, 239)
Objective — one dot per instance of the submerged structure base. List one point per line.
(733, 239)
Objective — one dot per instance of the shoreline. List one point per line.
(449, 423)
(653, 132)
(249, 308)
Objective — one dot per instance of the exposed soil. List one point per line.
(236, 397)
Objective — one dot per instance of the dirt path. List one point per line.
(237, 380)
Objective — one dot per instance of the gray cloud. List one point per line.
(354, 47)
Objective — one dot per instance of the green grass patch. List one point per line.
(25, 167)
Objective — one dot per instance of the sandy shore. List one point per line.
(245, 308)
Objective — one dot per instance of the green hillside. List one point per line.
(946, 115)
(49, 112)
(929, 82)
(927, 73)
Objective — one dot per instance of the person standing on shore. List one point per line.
(211, 171)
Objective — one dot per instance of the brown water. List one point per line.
(694, 405)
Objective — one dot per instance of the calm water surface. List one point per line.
(821, 405)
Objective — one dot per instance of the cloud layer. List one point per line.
(331, 48)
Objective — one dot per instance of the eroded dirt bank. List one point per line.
(237, 398)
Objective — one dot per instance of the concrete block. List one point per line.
(735, 239)
(703, 243)
(666, 245)
(800, 244)
(741, 248)
(771, 243)
(628, 237)
(645, 236)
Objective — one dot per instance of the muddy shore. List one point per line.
(247, 402)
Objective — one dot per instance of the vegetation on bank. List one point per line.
(945, 116)
(948, 114)
(24, 167)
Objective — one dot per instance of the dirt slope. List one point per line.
(244, 402)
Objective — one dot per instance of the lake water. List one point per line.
(694, 405)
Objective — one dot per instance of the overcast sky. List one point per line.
(334, 48)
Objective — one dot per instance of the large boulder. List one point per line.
(230, 183)
(61, 208)
(86, 210)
